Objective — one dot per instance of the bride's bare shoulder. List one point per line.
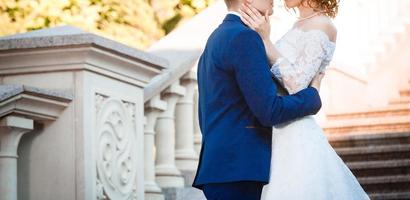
(322, 23)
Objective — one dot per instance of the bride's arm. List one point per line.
(293, 75)
(271, 51)
(298, 74)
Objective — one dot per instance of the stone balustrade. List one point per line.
(88, 145)
(110, 151)
(20, 107)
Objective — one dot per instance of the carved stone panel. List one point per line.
(116, 157)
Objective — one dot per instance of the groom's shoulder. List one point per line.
(243, 34)
(236, 29)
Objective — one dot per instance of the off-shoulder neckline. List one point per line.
(314, 30)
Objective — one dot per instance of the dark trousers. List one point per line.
(245, 190)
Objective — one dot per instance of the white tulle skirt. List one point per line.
(305, 167)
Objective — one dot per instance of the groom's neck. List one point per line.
(233, 5)
(234, 9)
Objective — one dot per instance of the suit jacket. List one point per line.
(238, 105)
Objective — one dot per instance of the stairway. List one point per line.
(381, 162)
(375, 144)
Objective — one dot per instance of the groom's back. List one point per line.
(230, 130)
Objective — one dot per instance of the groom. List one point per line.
(238, 105)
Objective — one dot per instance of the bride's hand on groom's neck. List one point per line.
(255, 20)
(261, 24)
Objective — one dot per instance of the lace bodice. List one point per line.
(304, 54)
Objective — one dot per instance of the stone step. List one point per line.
(391, 110)
(366, 140)
(400, 101)
(400, 183)
(405, 93)
(371, 125)
(380, 168)
(183, 194)
(372, 153)
(390, 196)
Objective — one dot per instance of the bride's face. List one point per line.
(262, 5)
(293, 3)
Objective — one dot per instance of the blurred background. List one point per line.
(137, 23)
(365, 93)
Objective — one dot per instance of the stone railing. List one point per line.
(99, 121)
(108, 121)
(172, 136)
(79, 101)
(372, 26)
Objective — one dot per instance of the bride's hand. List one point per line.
(317, 80)
(255, 20)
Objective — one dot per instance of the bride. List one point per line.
(303, 164)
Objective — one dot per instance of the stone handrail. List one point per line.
(183, 46)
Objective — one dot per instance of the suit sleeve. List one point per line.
(251, 68)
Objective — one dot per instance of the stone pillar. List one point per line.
(197, 130)
(11, 130)
(167, 174)
(152, 110)
(185, 154)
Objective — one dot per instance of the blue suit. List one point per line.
(238, 105)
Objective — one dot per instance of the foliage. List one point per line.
(137, 23)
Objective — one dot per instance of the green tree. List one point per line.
(137, 23)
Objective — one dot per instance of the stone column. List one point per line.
(167, 174)
(185, 154)
(197, 130)
(11, 130)
(152, 110)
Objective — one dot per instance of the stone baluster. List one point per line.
(349, 11)
(380, 17)
(393, 17)
(11, 130)
(364, 26)
(383, 11)
(197, 130)
(20, 106)
(373, 20)
(153, 109)
(402, 10)
(185, 154)
(405, 5)
(167, 174)
(358, 21)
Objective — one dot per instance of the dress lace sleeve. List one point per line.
(314, 52)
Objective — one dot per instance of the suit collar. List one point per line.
(232, 17)
(234, 13)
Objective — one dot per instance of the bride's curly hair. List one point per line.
(329, 7)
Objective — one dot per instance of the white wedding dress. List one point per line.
(304, 166)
